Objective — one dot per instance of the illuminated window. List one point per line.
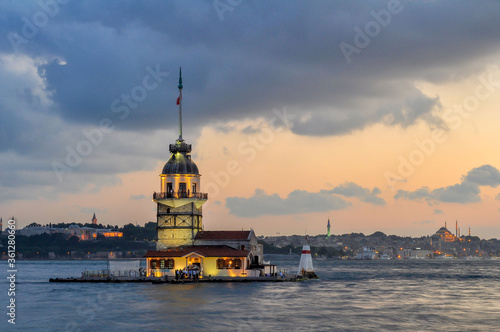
(228, 263)
(162, 264)
(221, 263)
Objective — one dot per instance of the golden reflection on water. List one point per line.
(359, 296)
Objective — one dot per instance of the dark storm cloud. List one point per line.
(262, 55)
(467, 191)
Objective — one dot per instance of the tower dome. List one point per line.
(180, 161)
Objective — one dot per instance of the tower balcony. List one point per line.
(179, 194)
(179, 198)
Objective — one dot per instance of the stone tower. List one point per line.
(179, 203)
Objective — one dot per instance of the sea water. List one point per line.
(379, 295)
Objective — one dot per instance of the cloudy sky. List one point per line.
(380, 115)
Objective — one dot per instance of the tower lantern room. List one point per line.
(179, 202)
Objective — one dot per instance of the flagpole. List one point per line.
(180, 104)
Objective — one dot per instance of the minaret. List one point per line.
(328, 229)
(1, 225)
(469, 230)
(179, 212)
(456, 228)
(94, 220)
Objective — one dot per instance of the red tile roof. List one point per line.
(223, 235)
(205, 251)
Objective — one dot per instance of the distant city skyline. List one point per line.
(380, 116)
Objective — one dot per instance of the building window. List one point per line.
(163, 264)
(228, 263)
(194, 188)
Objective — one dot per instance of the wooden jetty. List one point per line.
(163, 280)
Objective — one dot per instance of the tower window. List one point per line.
(194, 188)
(182, 189)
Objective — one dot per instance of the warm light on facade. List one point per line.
(112, 234)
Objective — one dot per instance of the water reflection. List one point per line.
(353, 295)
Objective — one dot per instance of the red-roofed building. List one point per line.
(244, 240)
(214, 260)
(224, 235)
(214, 253)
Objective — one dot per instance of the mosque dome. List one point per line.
(444, 231)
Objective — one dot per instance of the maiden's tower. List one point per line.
(182, 241)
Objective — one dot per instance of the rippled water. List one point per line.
(351, 296)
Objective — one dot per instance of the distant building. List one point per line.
(89, 233)
(420, 254)
(107, 233)
(445, 235)
(83, 233)
(35, 229)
